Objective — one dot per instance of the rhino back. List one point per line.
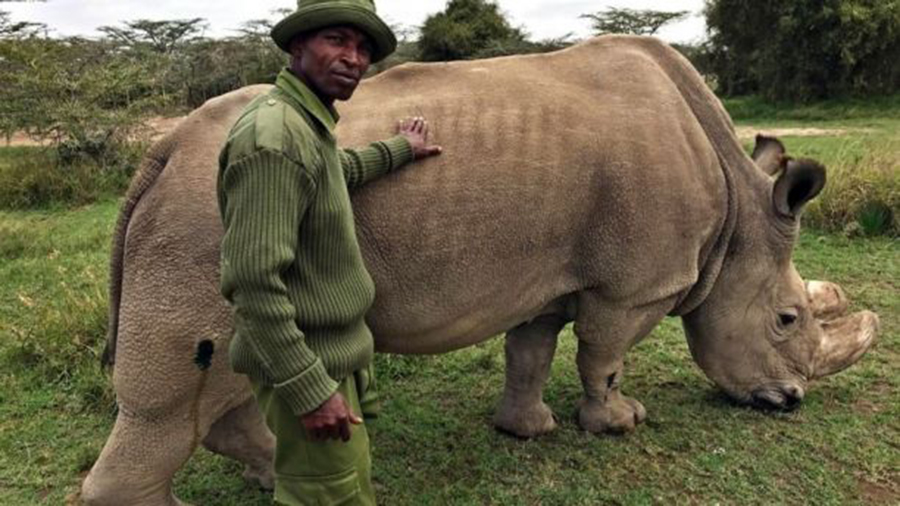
(580, 169)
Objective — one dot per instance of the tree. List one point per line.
(87, 97)
(9, 29)
(466, 29)
(160, 36)
(804, 49)
(633, 21)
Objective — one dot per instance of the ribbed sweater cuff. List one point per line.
(308, 390)
(400, 151)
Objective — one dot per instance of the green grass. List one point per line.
(434, 443)
(756, 109)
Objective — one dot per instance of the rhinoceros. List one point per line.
(601, 184)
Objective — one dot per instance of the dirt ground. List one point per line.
(749, 132)
(161, 126)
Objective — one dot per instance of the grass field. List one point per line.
(434, 443)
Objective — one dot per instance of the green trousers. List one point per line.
(322, 473)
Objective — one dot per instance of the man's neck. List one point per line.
(326, 100)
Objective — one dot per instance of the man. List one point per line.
(291, 265)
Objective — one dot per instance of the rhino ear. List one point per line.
(769, 155)
(799, 183)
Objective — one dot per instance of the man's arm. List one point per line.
(379, 158)
(265, 198)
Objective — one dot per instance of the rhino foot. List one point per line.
(264, 480)
(525, 422)
(618, 415)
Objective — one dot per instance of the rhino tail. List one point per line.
(151, 167)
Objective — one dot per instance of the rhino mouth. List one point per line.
(778, 396)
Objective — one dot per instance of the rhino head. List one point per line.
(762, 334)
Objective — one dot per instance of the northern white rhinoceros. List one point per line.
(602, 184)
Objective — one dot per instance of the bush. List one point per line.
(33, 178)
(863, 192)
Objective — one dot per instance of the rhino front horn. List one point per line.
(845, 340)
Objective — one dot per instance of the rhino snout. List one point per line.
(786, 396)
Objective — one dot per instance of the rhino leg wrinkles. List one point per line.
(605, 333)
(242, 434)
(138, 462)
(529, 353)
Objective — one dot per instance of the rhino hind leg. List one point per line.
(242, 434)
(529, 353)
(138, 462)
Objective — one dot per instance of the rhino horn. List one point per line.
(827, 300)
(769, 155)
(844, 341)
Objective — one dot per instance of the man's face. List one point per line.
(332, 60)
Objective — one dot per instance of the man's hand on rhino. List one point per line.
(416, 132)
(331, 420)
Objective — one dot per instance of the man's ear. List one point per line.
(296, 46)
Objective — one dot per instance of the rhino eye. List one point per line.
(787, 319)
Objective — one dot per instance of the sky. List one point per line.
(540, 18)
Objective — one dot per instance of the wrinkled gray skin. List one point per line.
(602, 184)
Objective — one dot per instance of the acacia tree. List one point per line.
(9, 29)
(161, 36)
(632, 21)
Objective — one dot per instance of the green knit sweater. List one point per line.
(291, 265)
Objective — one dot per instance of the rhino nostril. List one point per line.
(779, 397)
(792, 397)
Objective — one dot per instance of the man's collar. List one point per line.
(296, 89)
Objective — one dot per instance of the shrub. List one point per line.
(33, 177)
(863, 192)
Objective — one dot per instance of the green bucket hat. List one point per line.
(315, 14)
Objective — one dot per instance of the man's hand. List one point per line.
(331, 420)
(416, 132)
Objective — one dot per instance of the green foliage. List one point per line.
(804, 49)
(164, 36)
(756, 108)
(32, 177)
(466, 29)
(632, 21)
(863, 190)
(211, 67)
(88, 98)
(194, 69)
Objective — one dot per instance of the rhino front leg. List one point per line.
(529, 353)
(605, 333)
